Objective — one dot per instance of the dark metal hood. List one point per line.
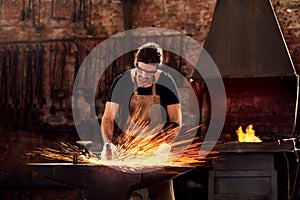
(245, 40)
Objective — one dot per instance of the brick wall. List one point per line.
(288, 14)
(35, 20)
(40, 21)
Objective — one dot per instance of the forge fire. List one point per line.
(249, 136)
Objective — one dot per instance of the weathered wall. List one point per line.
(288, 14)
(39, 25)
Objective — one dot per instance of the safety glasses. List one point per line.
(147, 71)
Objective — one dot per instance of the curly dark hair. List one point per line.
(149, 53)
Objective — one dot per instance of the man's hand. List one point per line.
(108, 150)
(163, 151)
(163, 148)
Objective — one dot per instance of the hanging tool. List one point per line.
(39, 14)
(66, 77)
(90, 16)
(33, 109)
(84, 15)
(13, 58)
(76, 55)
(9, 77)
(6, 78)
(90, 29)
(33, 14)
(127, 6)
(16, 96)
(33, 97)
(35, 77)
(52, 73)
(2, 77)
(50, 70)
(52, 8)
(14, 85)
(73, 16)
(15, 88)
(28, 90)
(28, 10)
(7, 121)
(22, 91)
(62, 92)
(79, 13)
(22, 14)
(41, 97)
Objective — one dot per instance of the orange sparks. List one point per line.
(138, 148)
(134, 153)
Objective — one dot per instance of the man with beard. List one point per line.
(151, 94)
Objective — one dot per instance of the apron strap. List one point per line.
(153, 89)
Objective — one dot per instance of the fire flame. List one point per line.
(249, 136)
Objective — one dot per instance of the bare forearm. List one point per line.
(171, 130)
(107, 128)
(173, 126)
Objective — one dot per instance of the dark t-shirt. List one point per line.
(123, 88)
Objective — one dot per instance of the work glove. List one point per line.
(163, 151)
(108, 150)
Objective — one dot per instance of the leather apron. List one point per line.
(146, 110)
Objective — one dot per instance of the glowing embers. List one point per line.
(150, 148)
(135, 152)
(249, 136)
(140, 147)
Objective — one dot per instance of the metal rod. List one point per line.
(296, 120)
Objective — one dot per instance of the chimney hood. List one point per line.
(245, 40)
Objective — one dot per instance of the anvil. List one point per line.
(106, 182)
